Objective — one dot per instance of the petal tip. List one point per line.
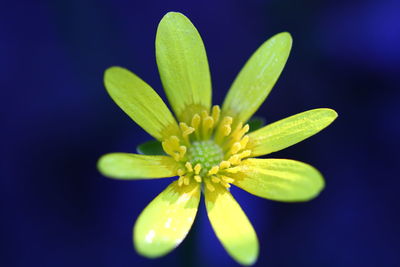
(172, 15)
(112, 69)
(103, 164)
(249, 259)
(330, 112)
(284, 37)
(112, 72)
(334, 113)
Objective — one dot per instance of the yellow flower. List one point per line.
(209, 148)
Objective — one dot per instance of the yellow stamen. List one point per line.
(197, 168)
(180, 172)
(167, 147)
(224, 164)
(182, 151)
(244, 141)
(176, 156)
(189, 167)
(234, 160)
(197, 178)
(186, 180)
(195, 124)
(215, 179)
(224, 129)
(204, 114)
(213, 170)
(225, 184)
(180, 180)
(245, 154)
(227, 179)
(210, 186)
(174, 140)
(233, 170)
(208, 124)
(216, 111)
(235, 148)
(186, 131)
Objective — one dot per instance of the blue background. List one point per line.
(57, 119)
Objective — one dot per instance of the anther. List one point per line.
(176, 156)
(244, 141)
(195, 121)
(215, 113)
(186, 130)
(233, 170)
(167, 148)
(197, 178)
(226, 130)
(215, 179)
(180, 172)
(208, 124)
(235, 148)
(182, 151)
(245, 154)
(243, 131)
(189, 167)
(174, 141)
(225, 184)
(197, 168)
(234, 160)
(204, 114)
(186, 180)
(213, 170)
(210, 186)
(227, 179)
(224, 164)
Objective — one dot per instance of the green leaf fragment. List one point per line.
(152, 147)
(256, 123)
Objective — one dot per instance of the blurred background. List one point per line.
(57, 119)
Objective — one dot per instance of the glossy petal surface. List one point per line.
(132, 166)
(183, 66)
(165, 222)
(289, 131)
(279, 179)
(140, 102)
(232, 226)
(258, 76)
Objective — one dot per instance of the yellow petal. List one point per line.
(133, 166)
(257, 78)
(165, 222)
(231, 225)
(183, 66)
(289, 131)
(140, 102)
(279, 179)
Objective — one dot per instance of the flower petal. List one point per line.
(279, 179)
(231, 226)
(183, 66)
(165, 222)
(140, 102)
(258, 76)
(132, 166)
(289, 131)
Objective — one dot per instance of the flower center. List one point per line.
(206, 153)
(209, 149)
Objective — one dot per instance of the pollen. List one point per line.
(209, 149)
